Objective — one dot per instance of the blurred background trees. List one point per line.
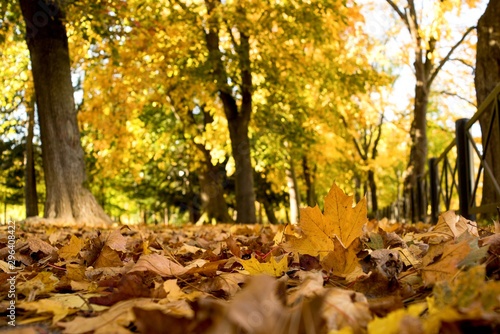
(244, 111)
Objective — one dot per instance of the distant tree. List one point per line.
(426, 67)
(64, 167)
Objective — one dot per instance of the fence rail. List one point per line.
(454, 180)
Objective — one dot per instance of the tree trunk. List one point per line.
(373, 190)
(309, 181)
(357, 188)
(268, 208)
(212, 194)
(238, 118)
(243, 177)
(62, 154)
(486, 79)
(293, 193)
(31, 196)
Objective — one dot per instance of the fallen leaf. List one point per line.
(38, 245)
(341, 261)
(447, 265)
(449, 226)
(340, 219)
(59, 310)
(108, 258)
(72, 249)
(347, 220)
(272, 268)
(344, 308)
(116, 241)
(120, 313)
(158, 264)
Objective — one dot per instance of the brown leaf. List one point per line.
(130, 286)
(445, 267)
(449, 226)
(38, 245)
(108, 258)
(116, 241)
(233, 246)
(341, 261)
(344, 308)
(158, 264)
(229, 283)
(72, 249)
(120, 313)
(156, 321)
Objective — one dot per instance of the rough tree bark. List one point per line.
(31, 196)
(67, 199)
(486, 79)
(238, 118)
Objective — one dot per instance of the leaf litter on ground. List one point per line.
(334, 272)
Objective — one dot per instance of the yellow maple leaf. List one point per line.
(272, 268)
(341, 220)
(347, 221)
(71, 250)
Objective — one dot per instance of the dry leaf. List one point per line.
(72, 249)
(108, 258)
(158, 264)
(340, 219)
(116, 241)
(341, 261)
(38, 245)
(447, 266)
(272, 268)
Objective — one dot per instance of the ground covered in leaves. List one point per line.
(336, 272)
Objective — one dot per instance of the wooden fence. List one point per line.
(453, 181)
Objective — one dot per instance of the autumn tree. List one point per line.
(63, 160)
(427, 65)
(486, 79)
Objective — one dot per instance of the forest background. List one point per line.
(244, 111)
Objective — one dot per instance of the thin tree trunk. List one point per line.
(309, 181)
(31, 196)
(268, 208)
(373, 190)
(357, 188)
(293, 193)
(238, 118)
(67, 198)
(486, 79)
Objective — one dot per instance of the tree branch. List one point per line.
(215, 56)
(447, 57)
(379, 135)
(459, 97)
(399, 12)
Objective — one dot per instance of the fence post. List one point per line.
(434, 189)
(464, 168)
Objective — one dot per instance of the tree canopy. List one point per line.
(201, 110)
